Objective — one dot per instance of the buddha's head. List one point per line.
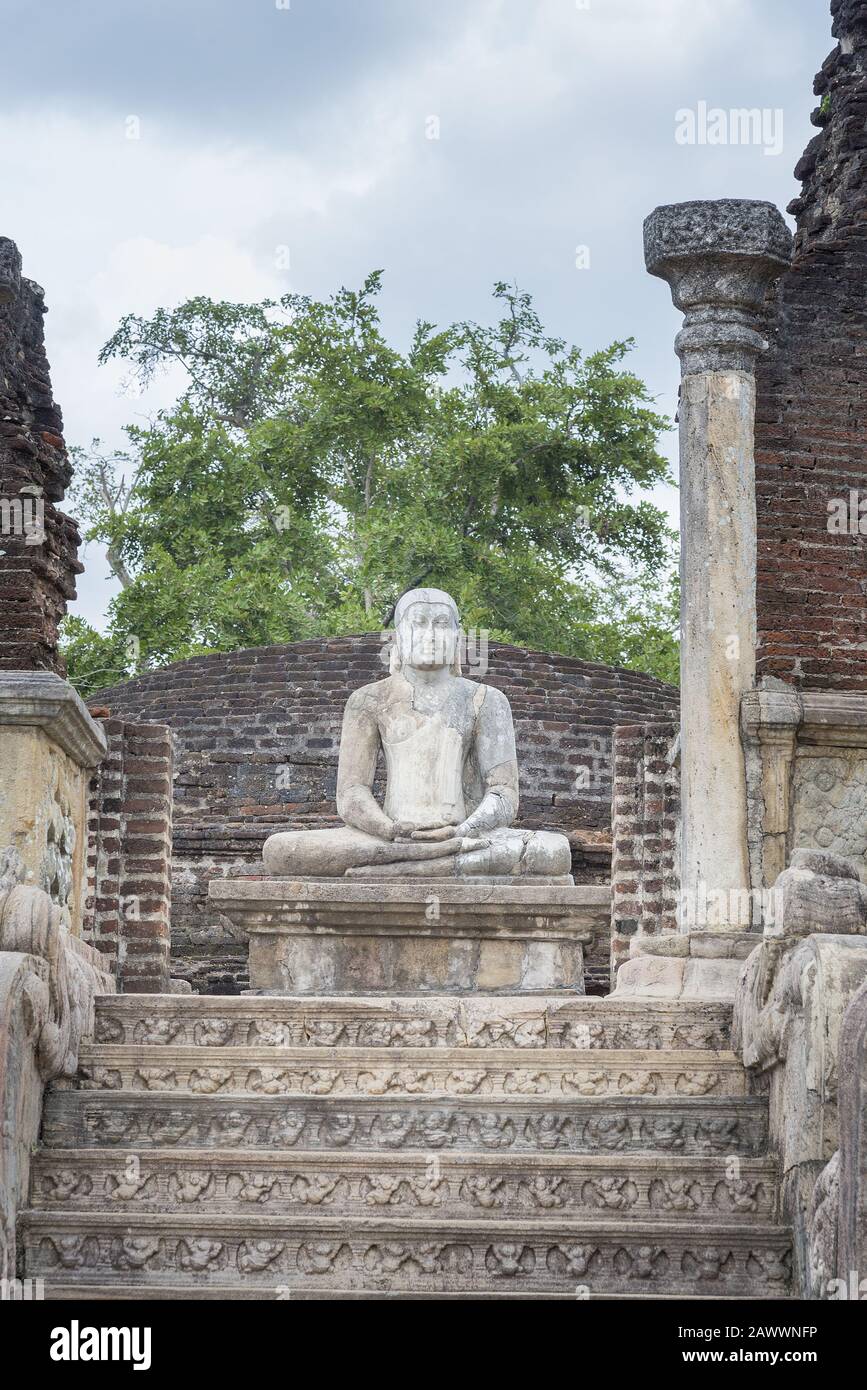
(427, 631)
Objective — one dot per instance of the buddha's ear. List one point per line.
(460, 646)
(395, 655)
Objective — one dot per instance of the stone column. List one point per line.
(720, 259)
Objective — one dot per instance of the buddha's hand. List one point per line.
(445, 831)
(403, 830)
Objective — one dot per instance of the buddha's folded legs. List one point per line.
(530, 853)
(330, 853)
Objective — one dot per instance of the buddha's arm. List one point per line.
(356, 767)
(498, 765)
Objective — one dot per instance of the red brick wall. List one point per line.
(127, 909)
(811, 424)
(644, 827)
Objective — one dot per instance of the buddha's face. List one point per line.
(428, 636)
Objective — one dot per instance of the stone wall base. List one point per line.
(685, 965)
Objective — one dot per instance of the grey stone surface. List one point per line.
(819, 891)
(392, 1257)
(411, 1071)
(704, 945)
(259, 901)
(49, 746)
(399, 1148)
(677, 977)
(48, 981)
(617, 1188)
(10, 270)
(806, 754)
(523, 1022)
(40, 699)
(343, 936)
(378, 1255)
(685, 965)
(829, 802)
(823, 1215)
(720, 259)
(520, 1124)
(723, 226)
(852, 1113)
(770, 718)
(789, 1010)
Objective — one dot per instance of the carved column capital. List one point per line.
(719, 258)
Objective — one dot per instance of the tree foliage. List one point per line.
(309, 472)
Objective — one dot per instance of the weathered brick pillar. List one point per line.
(811, 418)
(129, 856)
(720, 259)
(38, 543)
(644, 833)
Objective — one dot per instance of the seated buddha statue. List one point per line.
(451, 773)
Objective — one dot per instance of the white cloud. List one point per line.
(557, 129)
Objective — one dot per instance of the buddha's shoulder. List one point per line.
(395, 688)
(376, 693)
(483, 695)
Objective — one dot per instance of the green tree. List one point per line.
(309, 472)
(93, 661)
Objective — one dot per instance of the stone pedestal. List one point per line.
(315, 937)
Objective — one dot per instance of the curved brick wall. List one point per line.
(256, 741)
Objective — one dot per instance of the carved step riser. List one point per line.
(408, 1072)
(695, 1192)
(130, 1121)
(118, 1292)
(580, 1024)
(274, 1259)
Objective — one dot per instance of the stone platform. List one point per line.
(686, 965)
(336, 936)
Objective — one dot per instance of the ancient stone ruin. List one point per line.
(255, 737)
(346, 970)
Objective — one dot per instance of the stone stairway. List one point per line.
(255, 1147)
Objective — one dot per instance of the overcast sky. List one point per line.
(307, 125)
